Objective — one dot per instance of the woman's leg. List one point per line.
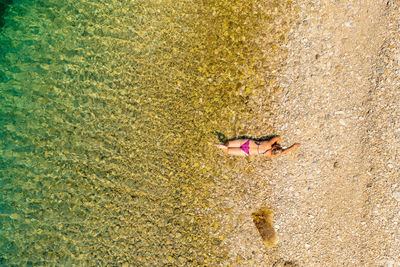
(224, 148)
(236, 143)
(236, 151)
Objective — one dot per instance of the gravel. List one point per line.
(333, 197)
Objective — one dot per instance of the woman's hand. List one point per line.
(286, 150)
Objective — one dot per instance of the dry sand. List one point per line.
(337, 198)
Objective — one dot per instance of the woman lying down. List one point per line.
(249, 147)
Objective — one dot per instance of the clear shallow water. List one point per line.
(107, 113)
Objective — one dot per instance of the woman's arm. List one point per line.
(286, 150)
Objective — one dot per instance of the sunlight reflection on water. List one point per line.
(108, 111)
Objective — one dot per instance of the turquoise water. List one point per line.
(108, 110)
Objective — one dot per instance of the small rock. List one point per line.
(338, 112)
(375, 210)
(396, 195)
(15, 216)
(314, 164)
(389, 263)
(66, 68)
(341, 121)
(390, 165)
(336, 164)
(307, 246)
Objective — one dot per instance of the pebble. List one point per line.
(338, 112)
(396, 195)
(336, 164)
(375, 210)
(314, 164)
(341, 121)
(307, 246)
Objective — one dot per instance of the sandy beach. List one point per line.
(337, 198)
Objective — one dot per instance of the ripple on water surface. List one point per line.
(108, 111)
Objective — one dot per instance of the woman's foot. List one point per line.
(220, 146)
